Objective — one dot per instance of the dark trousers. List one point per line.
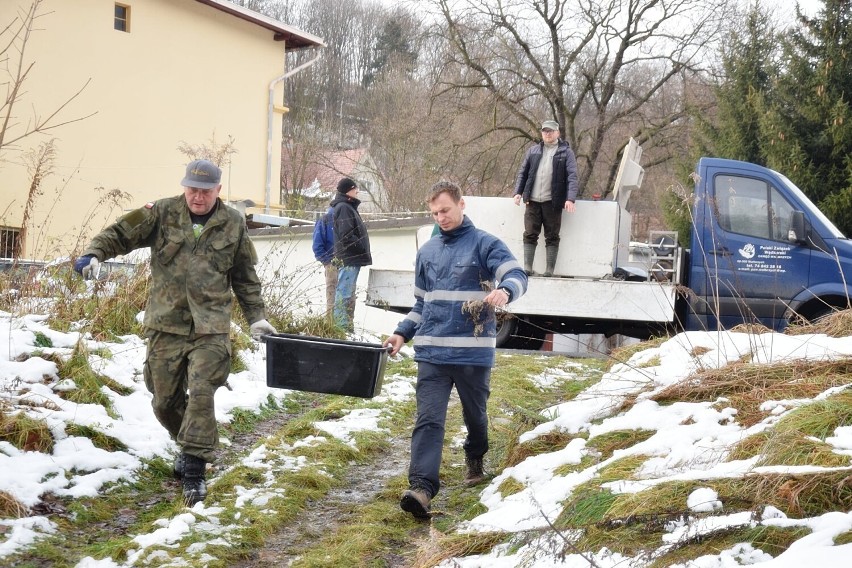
(434, 383)
(537, 214)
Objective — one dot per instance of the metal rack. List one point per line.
(666, 257)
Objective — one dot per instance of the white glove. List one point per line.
(91, 270)
(259, 328)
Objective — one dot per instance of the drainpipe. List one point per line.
(269, 137)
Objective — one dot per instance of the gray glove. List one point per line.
(259, 328)
(87, 266)
(92, 270)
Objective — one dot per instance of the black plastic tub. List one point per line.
(319, 364)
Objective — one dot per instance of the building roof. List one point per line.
(294, 38)
(324, 170)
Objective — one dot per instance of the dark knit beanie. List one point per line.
(345, 184)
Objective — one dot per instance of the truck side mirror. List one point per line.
(796, 234)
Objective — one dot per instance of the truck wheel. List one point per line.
(506, 326)
(513, 333)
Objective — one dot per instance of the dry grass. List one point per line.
(25, 433)
(698, 351)
(546, 443)
(769, 539)
(799, 437)
(441, 546)
(624, 353)
(479, 312)
(820, 418)
(795, 448)
(752, 328)
(801, 495)
(656, 502)
(836, 324)
(111, 308)
(622, 468)
(748, 447)
(609, 442)
(11, 507)
(588, 505)
(747, 386)
(510, 486)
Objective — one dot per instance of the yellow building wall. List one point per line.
(185, 73)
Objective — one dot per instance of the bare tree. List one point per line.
(326, 91)
(601, 68)
(13, 43)
(15, 124)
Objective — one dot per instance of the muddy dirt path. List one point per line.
(363, 481)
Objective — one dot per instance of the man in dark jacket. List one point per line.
(201, 257)
(547, 184)
(461, 276)
(351, 248)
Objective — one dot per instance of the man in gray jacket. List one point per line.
(547, 184)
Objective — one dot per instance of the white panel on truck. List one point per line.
(558, 297)
(589, 238)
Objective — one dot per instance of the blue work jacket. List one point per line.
(453, 269)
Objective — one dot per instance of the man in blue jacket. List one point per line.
(461, 276)
(547, 184)
(323, 245)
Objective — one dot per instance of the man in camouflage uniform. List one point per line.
(200, 252)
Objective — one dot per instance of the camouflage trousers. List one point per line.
(183, 373)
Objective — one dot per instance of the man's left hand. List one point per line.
(87, 266)
(569, 206)
(260, 328)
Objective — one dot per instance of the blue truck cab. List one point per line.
(760, 251)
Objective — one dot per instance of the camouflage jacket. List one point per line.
(191, 281)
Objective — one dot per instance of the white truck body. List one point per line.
(582, 298)
(589, 279)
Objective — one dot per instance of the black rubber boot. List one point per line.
(551, 253)
(194, 486)
(179, 465)
(529, 257)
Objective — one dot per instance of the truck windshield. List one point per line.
(835, 232)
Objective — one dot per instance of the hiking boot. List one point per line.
(416, 501)
(475, 473)
(179, 465)
(194, 486)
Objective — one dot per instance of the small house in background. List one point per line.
(310, 177)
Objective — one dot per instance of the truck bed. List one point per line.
(570, 298)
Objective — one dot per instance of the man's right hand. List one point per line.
(395, 342)
(87, 266)
(517, 199)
